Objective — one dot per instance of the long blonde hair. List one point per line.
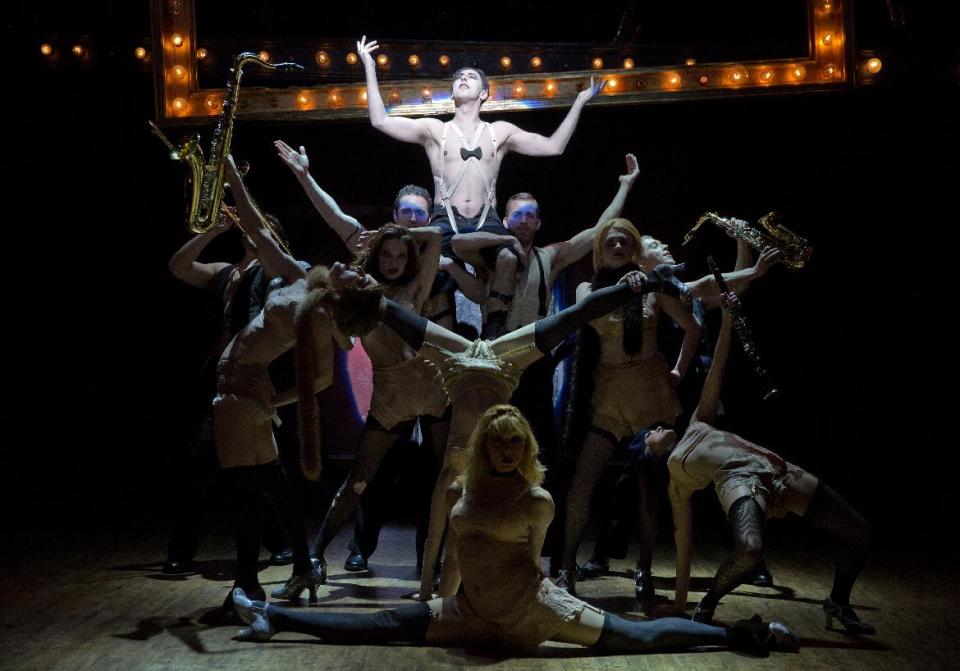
(356, 311)
(507, 421)
(600, 239)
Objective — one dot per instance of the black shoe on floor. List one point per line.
(761, 577)
(643, 585)
(355, 562)
(283, 557)
(177, 566)
(594, 568)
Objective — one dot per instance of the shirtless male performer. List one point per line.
(465, 153)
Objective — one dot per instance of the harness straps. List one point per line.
(471, 153)
(542, 290)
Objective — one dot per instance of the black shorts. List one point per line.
(490, 224)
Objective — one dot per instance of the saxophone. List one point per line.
(795, 251)
(206, 178)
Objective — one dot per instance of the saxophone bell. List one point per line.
(795, 251)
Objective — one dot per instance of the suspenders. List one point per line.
(471, 153)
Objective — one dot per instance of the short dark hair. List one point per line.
(523, 195)
(637, 449)
(483, 76)
(413, 190)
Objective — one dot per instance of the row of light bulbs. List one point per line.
(873, 65)
(671, 80)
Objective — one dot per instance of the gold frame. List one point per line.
(828, 65)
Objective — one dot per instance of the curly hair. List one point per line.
(507, 421)
(369, 259)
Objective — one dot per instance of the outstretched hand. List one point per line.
(365, 50)
(592, 91)
(633, 169)
(296, 161)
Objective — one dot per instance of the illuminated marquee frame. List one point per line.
(828, 65)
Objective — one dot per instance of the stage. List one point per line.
(100, 601)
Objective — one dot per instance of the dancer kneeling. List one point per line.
(752, 484)
(499, 516)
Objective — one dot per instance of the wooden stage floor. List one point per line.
(99, 601)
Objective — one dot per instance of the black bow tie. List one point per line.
(467, 153)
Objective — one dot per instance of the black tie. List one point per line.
(467, 153)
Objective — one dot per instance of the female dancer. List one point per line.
(633, 384)
(405, 386)
(752, 484)
(482, 373)
(499, 516)
(300, 313)
(646, 475)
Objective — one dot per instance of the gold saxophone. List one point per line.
(795, 251)
(206, 178)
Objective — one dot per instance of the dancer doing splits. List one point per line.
(498, 518)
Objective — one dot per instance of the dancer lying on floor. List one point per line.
(499, 516)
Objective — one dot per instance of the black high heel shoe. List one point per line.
(756, 636)
(317, 575)
(643, 585)
(702, 614)
(847, 617)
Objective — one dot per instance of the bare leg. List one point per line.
(464, 418)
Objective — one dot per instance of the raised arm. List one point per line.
(574, 249)
(744, 256)
(346, 227)
(692, 328)
(397, 127)
(184, 265)
(706, 410)
(683, 538)
(275, 262)
(534, 144)
(431, 238)
(738, 280)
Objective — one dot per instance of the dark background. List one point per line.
(106, 344)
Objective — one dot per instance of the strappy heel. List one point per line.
(846, 616)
